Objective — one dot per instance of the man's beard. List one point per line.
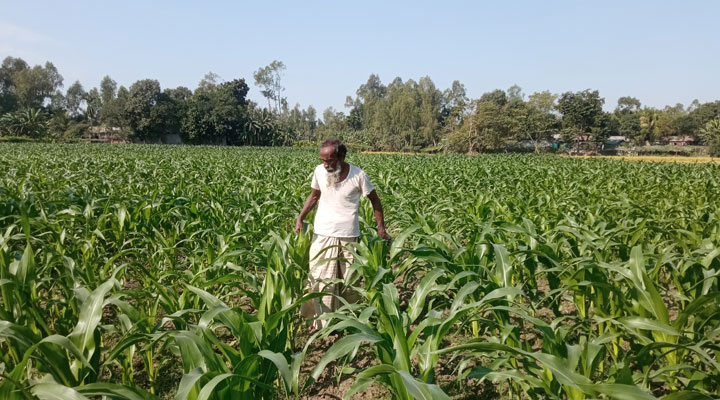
(333, 177)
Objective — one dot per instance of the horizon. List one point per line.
(659, 53)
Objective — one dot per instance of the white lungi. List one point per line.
(329, 258)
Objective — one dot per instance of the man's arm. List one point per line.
(379, 216)
(310, 203)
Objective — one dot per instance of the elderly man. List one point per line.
(337, 186)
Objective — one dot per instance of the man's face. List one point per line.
(331, 162)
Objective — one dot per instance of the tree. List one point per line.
(582, 114)
(142, 98)
(710, 133)
(75, 99)
(8, 95)
(486, 129)
(35, 85)
(455, 99)
(260, 127)
(626, 115)
(218, 114)
(627, 104)
(112, 105)
(30, 122)
(702, 113)
(209, 81)
(269, 79)
(369, 95)
(648, 125)
(170, 110)
(628, 124)
(25, 87)
(543, 101)
(497, 96)
(534, 119)
(108, 88)
(94, 105)
(454, 108)
(673, 121)
(431, 103)
(515, 93)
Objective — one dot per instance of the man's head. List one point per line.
(332, 154)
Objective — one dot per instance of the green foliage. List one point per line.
(269, 78)
(121, 266)
(487, 129)
(582, 114)
(217, 114)
(410, 116)
(29, 122)
(26, 87)
(711, 135)
(497, 96)
(627, 105)
(142, 99)
(74, 99)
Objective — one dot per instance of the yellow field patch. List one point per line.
(713, 160)
(395, 152)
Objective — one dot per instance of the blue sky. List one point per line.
(662, 52)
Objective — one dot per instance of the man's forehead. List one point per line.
(327, 151)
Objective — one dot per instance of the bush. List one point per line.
(711, 134)
(20, 139)
(714, 147)
(76, 130)
(29, 122)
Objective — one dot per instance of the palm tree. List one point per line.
(648, 125)
(29, 122)
(261, 126)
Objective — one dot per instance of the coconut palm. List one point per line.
(29, 122)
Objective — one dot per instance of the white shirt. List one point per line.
(337, 214)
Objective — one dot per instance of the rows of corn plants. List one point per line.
(145, 272)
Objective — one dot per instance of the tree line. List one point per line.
(400, 116)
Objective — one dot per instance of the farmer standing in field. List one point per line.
(337, 186)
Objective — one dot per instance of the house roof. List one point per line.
(681, 139)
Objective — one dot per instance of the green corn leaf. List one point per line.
(115, 391)
(55, 391)
(647, 324)
(339, 349)
(90, 314)
(687, 395)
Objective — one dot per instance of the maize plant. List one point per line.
(149, 272)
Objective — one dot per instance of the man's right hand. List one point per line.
(298, 226)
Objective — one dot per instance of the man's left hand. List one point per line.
(383, 234)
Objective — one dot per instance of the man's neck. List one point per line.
(344, 171)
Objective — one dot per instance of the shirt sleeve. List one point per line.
(365, 184)
(315, 185)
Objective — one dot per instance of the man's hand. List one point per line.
(298, 226)
(379, 217)
(383, 234)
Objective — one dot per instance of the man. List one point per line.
(337, 187)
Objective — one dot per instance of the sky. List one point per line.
(661, 52)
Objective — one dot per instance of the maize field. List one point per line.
(158, 272)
